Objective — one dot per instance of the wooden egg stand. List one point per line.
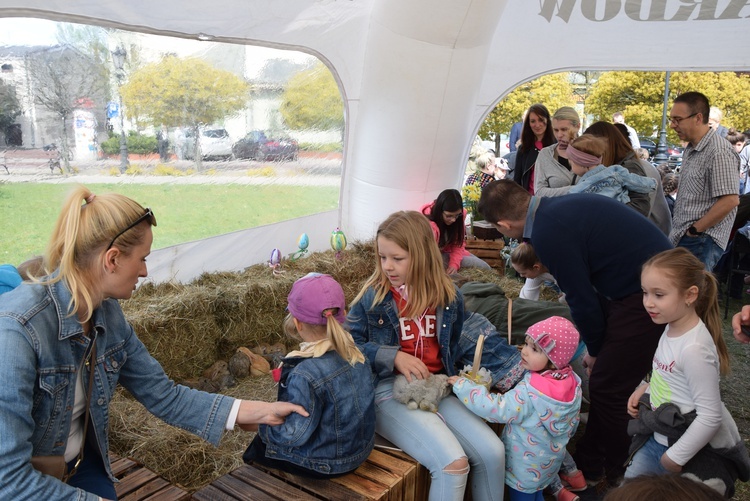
(486, 244)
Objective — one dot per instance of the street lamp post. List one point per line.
(661, 149)
(118, 57)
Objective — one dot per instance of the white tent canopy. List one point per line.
(418, 77)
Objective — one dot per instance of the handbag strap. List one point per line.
(90, 362)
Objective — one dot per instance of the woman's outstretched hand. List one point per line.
(255, 412)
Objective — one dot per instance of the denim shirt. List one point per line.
(41, 351)
(340, 432)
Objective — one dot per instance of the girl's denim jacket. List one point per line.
(613, 182)
(340, 432)
(376, 330)
(41, 350)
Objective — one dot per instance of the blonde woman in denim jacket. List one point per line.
(408, 319)
(96, 256)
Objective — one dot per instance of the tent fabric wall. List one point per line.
(418, 76)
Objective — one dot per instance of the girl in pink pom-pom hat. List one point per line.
(541, 412)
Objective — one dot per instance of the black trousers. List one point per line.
(624, 360)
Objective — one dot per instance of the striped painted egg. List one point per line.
(338, 240)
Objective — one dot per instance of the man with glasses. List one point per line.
(707, 201)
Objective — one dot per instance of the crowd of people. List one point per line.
(639, 335)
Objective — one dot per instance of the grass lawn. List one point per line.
(184, 212)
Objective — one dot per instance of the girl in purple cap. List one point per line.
(331, 378)
(541, 413)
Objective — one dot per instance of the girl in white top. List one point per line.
(691, 356)
(527, 265)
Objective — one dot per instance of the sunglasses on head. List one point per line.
(146, 215)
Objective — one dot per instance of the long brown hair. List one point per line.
(617, 148)
(429, 285)
(527, 135)
(685, 271)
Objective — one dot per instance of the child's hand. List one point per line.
(452, 379)
(634, 399)
(409, 366)
(670, 465)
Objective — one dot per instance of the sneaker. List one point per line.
(575, 482)
(565, 495)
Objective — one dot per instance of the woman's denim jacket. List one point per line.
(340, 432)
(41, 350)
(376, 329)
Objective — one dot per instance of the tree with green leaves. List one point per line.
(554, 91)
(188, 93)
(640, 97)
(312, 101)
(10, 108)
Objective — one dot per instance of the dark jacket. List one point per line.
(524, 166)
(594, 247)
(726, 464)
(340, 432)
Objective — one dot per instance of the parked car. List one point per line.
(214, 143)
(264, 145)
(651, 146)
(489, 145)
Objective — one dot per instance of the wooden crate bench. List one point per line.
(387, 475)
(137, 483)
(487, 250)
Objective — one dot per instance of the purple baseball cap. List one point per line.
(314, 293)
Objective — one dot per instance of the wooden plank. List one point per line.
(322, 489)
(485, 253)
(389, 480)
(169, 493)
(406, 470)
(485, 244)
(145, 490)
(240, 490)
(269, 483)
(121, 465)
(133, 481)
(422, 489)
(372, 491)
(211, 493)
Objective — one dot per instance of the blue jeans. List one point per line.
(704, 248)
(470, 261)
(647, 460)
(91, 475)
(525, 496)
(437, 440)
(568, 465)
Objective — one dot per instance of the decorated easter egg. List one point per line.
(303, 241)
(275, 257)
(338, 240)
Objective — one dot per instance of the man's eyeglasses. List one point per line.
(677, 120)
(146, 215)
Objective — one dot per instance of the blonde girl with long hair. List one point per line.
(407, 319)
(327, 375)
